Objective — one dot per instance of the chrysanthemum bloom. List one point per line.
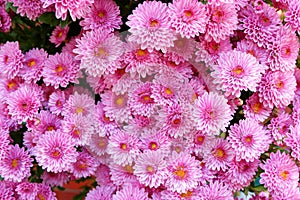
(79, 104)
(44, 121)
(60, 69)
(188, 18)
(211, 113)
(132, 192)
(8, 85)
(280, 172)
(260, 27)
(284, 51)
(249, 139)
(292, 15)
(279, 126)
(163, 95)
(24, 103)
(55, 151)
(151, 168)
(15, 165)
(4, 143)
(44, 192)
(277, 88)
(59, 35)
(150, 26)
(103, 192)
(56, 102)
(116, 106)
(6, 193)
(123, 147)
(55, 179)
(252, 48)
(75, 8)
(121, 175)
(200, 141)
(99, 51)
(84, 166)
(33, 64)
(255, 109)
(287, 194)
(29, 8)
(176, 119)
(11, 59)
(158, 141)
(140, 101)
(215, 190)
(103, 14)
(237, 71)
(184, 173)
(26, 190)
(189, 195)
(181, 145)
(223, 21)
(5, 20)
(292, 140)
(218, 154)
(240, 173)
(102, 175)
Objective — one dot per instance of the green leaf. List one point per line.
(49, 18)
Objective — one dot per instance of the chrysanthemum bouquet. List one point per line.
(161, 100)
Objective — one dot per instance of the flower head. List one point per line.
(59, 35)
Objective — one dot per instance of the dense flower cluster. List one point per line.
(196, 101)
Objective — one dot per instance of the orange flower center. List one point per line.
(188, 194)
(279, 84)
(168, 91)
(141, 52)
(119, 100)
(256, 107)
(41, 197)
(153, 23)
(179, 172)
(129, 169)
(219, 153)
(11, 84)
(188, 13)
(101, 14)
(79, 110)
(31, 63)
(150, 169)
(284, 175)
(50, 128)
(14, 163)
(238, 70)
(123, 146)
(59, 68)
(56, 153)
(153, 145)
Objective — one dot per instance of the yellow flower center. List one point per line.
(168, 91)
(11, 84)
(56, 153)
(123, 146)
(14, 163)
(188, 194)
(50, 128)
(141, 52)
(279, 84)
(41, 197)
(119, 100)
(150, 169)
(238, 70)
(79, 110)
(219, 153)
(284, 175)
(129, 169)
(31, 63)
(179, 172)
(256, 107)
(153, 145)
(101, 14)
(188, 13)
(153, 23)
(59, 68)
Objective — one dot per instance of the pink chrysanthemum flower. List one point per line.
(75, 8)
(181, 145)
(24, 103)
(279, 126)
(60, 70)
(103, 192)
(140, 101)
(184, 173)
(29, 8)
(215, 190)
(6, 193)
(8, 85)
(223, 21)
(156, 142)
(131, 192)
(284, 51)
(44, 192)
(97, 143)
(292, 15)
(249, 139)
(188, 18)
(176, 119)
(56, 102)
(99, 51)
(5, 20)
(292, 140)
(237, 71)
(79, 104)
(277, 88)
(260, 27)
(55, 151)
(280, 172)
(33, 64)
(143, 125)
(55, 179)
(102, 175)
(189, 195)
(103, 14)
(15, 165)
(84, 166)
(163, 95)
(212, 113)
(218, 154)
(4, 143)
(287, 194)
(151, 168)
(26, 190)
(150, 26)
(123, 147)
(121, 175)
(255, 109)
(11, 59)
(116, 106)
(59, 35)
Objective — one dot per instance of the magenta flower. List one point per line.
(212, 113)
(252, 48)
(151, 168)
(158, 141)
(279, 127)
(55, 179)
(29, 8)
(15, 164)
(59, 35)
(122, 175)
(237, 71)
(60, 70)
(84, 166)
(56, 102)
(26, 190)
(103, 192)
(215, 190)
(131, 192)
(292, 140)
(249, 139)
(44, 192)
(150, 26)
(5, 20)
(11, 59)
(292, 15)
(184, 173)
(189, 18)
(55, 151)
(103, 14)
